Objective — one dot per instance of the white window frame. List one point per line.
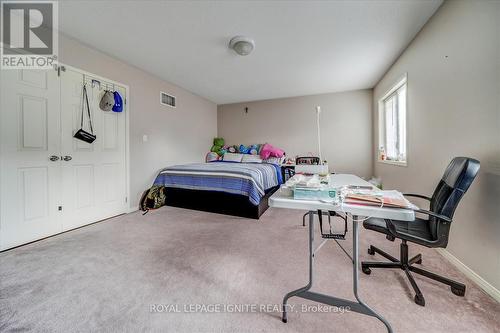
(403, 81)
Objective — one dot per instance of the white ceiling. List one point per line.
(302, 47)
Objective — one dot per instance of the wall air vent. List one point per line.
(166, 99)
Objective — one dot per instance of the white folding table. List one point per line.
(280, 200)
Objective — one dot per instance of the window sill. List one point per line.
(398, 163)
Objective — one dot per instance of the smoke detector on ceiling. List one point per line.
(242, 45)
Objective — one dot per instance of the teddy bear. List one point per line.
(243, 149)
(218, 146)
(253, 149)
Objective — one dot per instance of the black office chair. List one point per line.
(430, 232)
(310, 160)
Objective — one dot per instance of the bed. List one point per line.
(238, 189)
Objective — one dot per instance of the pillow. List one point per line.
(211, 156)
(274, 160)
(232, 157)
(270, 151)
(251, 159)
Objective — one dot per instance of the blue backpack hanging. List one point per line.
(118, 107)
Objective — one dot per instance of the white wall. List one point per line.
(179, 135)
(290, 123)
(453, 68)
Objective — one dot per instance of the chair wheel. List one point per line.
(419, 261)
(458, 291)
(420, 300)
(371, 251)
(284, 320)
(366, 270)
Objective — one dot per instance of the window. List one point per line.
(392, 125)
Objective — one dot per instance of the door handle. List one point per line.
(66, 158)
(54, 158)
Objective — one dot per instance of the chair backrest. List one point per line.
(456, 180)
(310, 160)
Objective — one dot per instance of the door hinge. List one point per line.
(59, 208)
(126, 199)
(59, 69)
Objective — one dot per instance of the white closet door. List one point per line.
(93, 175)
(29, 136)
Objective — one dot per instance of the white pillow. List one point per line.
(251, 159)
(275, 160)
(232, 157)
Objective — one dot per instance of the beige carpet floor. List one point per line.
(111, 277)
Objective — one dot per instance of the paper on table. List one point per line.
(390, 199)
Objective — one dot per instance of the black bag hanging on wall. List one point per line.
(81, 134)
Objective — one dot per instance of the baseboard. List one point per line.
(482, 283)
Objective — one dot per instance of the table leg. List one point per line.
(304, 292)
(355, 282)
(311, 262)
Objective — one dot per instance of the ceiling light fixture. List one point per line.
(242, 45)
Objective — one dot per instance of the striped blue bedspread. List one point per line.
(249, 179)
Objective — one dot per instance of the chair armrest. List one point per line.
(438, 216)
(417, 196)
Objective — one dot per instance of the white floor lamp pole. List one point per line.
(318, 111)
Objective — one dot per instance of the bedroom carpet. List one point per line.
(148, 273)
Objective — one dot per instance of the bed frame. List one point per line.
(217, 202)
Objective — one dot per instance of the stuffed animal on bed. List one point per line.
(217, 147)
(244, 149)
(224, 149)
(232, 149)
(270, 151)
(254, 149)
